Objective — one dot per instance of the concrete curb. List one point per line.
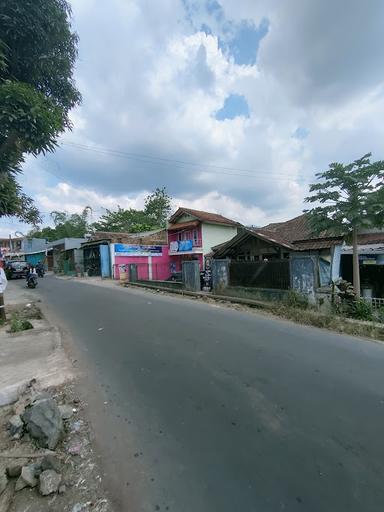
(226, 298)
(272, 308)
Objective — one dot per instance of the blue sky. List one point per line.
(233, 106)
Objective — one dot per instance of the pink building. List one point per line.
(159, 255)
(193, 233)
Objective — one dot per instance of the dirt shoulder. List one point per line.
(35, 371)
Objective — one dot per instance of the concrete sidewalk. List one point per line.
(33, 354)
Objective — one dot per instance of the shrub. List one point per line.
(362, 310)
(296, 299)
(19, 324)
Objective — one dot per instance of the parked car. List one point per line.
(16, 269)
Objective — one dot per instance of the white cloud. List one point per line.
(151, 85)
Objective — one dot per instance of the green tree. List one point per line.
(156, 211)
(121, 220)
(158, 207)
(38, 51)
(66, 225)
(348, 200)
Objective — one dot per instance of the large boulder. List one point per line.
(43, 421)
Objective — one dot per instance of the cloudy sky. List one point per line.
(233, 105)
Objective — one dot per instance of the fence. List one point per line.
(273, 274)
(375, 302)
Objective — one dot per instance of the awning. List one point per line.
(183, 225)
(364, 249)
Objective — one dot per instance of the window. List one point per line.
(195, 235)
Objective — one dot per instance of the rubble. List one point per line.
(49, 482)
(51, 462)
(44, 423)
(16, 426)
(14, 470)
(66, 411)
(27, 477)
(3, 480)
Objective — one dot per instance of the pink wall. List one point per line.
(160, 265)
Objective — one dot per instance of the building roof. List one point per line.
(221, 249)
(211, 218)
(183, 225)
(155, 237)
(294, 229)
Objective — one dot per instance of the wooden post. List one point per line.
(2, 308)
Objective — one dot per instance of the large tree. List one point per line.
(156, 211)
(158, 206)
(349, 198)
(38, 51)
(74, 225)
(123, 220)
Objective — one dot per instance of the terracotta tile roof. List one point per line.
(371, 238)
(316, 244)
(272, 237)
(297, 228)
(299, 233)
(213, 218)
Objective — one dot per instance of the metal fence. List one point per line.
(260, 274)
(375, 302)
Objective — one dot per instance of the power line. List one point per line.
(152, 159)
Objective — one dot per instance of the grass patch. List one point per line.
(18, 324)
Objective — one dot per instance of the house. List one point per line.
(193, 233)
(277, 241)
(65, 254)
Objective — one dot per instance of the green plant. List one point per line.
(362, 310)
(347, 199)
(19, 324)
(296, 299)
(379, 315)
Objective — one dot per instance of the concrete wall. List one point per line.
(215, 234)
(158, 266)
(33, 245)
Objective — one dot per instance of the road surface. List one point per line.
(200, 408)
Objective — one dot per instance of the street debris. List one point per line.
(49, 482)
(48, 479)
(44, 423)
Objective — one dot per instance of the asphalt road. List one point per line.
(199, 408)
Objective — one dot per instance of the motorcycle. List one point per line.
(40, 271)
(32, 281)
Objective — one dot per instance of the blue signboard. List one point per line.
(185, 245)
(138, 250)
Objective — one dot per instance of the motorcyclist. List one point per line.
(40, 269)
(31, 273)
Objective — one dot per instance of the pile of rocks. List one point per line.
(38, 418)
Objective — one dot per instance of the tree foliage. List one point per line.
(158, 206)
(156, 211)
(38, 51)
(348, 197)
(66, 225)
